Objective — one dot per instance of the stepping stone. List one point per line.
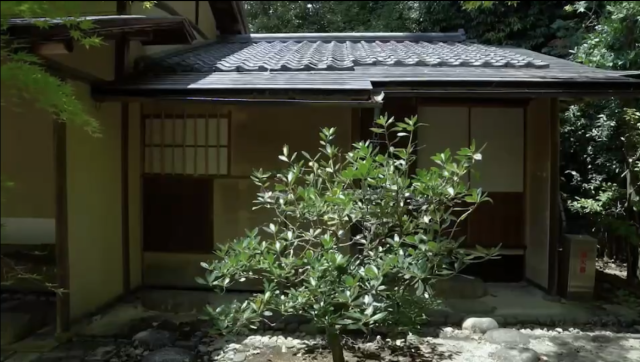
(170, 355)
(516, 354)
(460, 287)
(153, 339)
(479, 325)
(506, 336)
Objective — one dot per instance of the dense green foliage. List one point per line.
(533, 25)
(405, 236)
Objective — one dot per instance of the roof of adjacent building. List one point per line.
(150, 30)
(356, 61)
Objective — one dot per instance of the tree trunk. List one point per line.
(632, 263)
(335, 344)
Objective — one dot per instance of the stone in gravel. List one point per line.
(102, 353)
(505, 336)
(218, 345)
(479, 325)
(239, 357)
(413, 339)
(267, 342)
(153, 339)
(169, 355)
(516, 354)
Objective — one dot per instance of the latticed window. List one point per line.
(195, 145)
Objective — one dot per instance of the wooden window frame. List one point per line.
(223, 142)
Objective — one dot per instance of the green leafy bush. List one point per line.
(356, 241)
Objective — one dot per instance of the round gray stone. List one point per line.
(479, 325)
(153, 339)
(169, 355)
(516, 354)
(505, 336)
(239, 357)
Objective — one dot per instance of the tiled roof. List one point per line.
(361, 63)
(280, 53)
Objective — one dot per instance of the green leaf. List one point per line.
(378, 316)
(371, 271)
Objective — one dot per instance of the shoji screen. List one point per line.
(446, 127)
(502, 166)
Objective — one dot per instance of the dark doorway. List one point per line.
(178, 214)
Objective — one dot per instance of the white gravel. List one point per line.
(554, 346)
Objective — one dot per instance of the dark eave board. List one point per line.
(149, 30)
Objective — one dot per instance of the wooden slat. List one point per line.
(173, 146)
(206, 145)
(195, 150)
(184, 143)
(228, 135)
(218, 146)
(162, 144)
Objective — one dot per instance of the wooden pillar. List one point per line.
(121, 63)
(555, 232)
(62, 225)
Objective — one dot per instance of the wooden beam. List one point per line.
(121, 63)
(66, 72)
(63, 311)
(170, 10)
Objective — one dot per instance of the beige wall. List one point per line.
(94, 192)
(94, 209)
(537, 191)
(257, 136)
(28, 208)
(27, 161)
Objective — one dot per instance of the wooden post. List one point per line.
(62, 236)
(121, 63)
(555, 232)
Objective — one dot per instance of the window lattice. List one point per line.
(187, 145)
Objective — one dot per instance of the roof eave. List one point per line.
(623, 87)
